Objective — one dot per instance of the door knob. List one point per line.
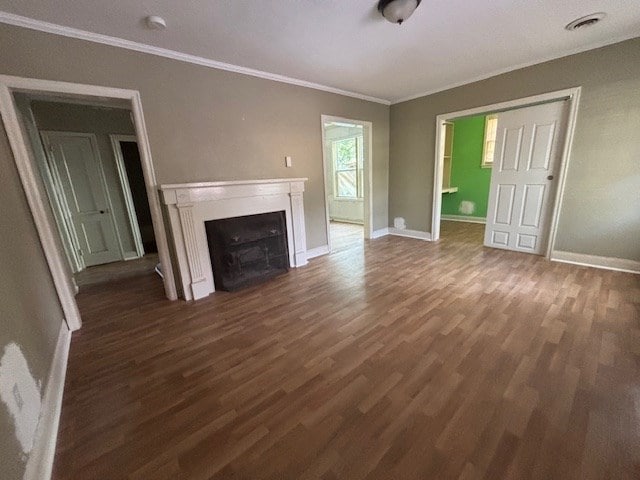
(550, 177)
(102, 211)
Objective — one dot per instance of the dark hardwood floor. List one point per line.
(113, 272)
(393, 359)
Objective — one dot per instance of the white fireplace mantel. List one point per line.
(191, 204)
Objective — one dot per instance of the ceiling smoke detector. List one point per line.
(586, 21)
(154, 22)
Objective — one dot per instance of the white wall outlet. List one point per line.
(288, 162)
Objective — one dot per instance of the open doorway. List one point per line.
(346, 148)
(89, 162)
(51, 157)
(500, 172)
(467, 160)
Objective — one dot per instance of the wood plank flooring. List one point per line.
(112, 272)
(395, 359)
(346, 235)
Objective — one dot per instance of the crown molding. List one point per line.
(495, 73)
(33, 24)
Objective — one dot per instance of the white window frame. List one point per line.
(486, 161)
(359, 169)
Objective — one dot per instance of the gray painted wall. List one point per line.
(600, 214)
(102, 122)
(30, 314)
(206, 124)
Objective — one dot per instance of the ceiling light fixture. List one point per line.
(586, 21)
(154, 22)
(397, 11)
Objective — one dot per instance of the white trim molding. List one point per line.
(595, 261)
(190, 205)
(410, 233)
(37, 199)
(38, 204)
(463, 218)
(33, 24)
(317, 252)
(367, 130)
(382, 232)
(40, 463)
(572, 95)
(115, 140)
(512, 68)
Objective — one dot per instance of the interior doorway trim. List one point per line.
(37, 199)
(572, 95)
(115, 140)
(368, 177)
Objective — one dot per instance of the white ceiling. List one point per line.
(346, 44)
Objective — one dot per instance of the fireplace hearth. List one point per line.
(247, 250)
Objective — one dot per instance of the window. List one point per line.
(490, 133)
(348, 166)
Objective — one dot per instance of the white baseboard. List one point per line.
(40, 463)
(317, 252)
(379, 233)
(410, 233)
(595, 261)
(463, 218)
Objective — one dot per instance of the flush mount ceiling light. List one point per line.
(153, 22)
(586, 21)
(397, 11)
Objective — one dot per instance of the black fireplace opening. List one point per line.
(247, 250)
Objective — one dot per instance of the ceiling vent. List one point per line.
(584, 22)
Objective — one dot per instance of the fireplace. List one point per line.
(190, 206)
(247, 250)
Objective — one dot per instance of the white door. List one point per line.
(76, 166)
(524, 176)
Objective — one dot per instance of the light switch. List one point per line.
(288, 162)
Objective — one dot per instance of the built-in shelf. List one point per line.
(447, 143)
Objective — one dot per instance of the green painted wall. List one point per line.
(466, 174)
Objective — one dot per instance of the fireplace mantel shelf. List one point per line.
(176, 186)
(191, 204)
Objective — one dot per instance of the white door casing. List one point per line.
(36, 196)
(126, 189)
(77, 166)
(367, 172)
(524, 177)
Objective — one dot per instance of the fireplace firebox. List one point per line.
(247, 250)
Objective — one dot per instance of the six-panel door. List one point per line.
(524, 176)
